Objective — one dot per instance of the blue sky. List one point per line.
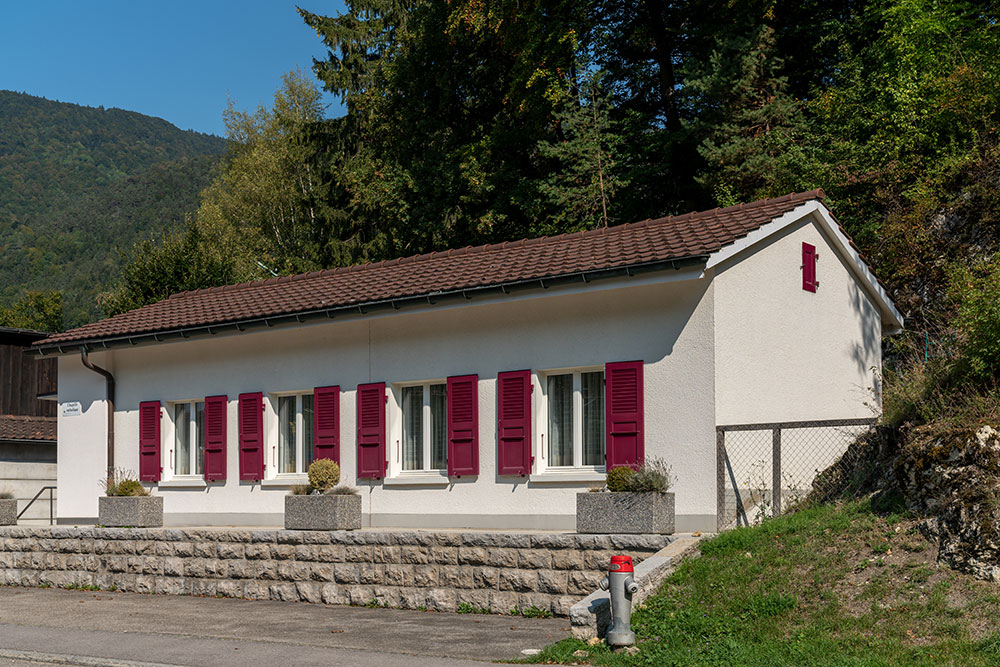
(178, 60)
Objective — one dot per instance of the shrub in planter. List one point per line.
(322, 504)
(635, 502)
(128, 503)
(8, 509)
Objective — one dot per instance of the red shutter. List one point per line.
(149, 441)
(251, 436)
(215, 437)
(326, 423)
(463, 425)
(809, 282)
(372, 463)
(623, 413)
(514, 423)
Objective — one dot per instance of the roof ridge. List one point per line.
(817, 193)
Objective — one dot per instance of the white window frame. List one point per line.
(271, 428)
(577, 471)
(394, 430)
(168, 441)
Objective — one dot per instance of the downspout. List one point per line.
(109, 380)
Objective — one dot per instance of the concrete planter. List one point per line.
(8, 512)
(630, 513)
(323, 512)
(130, 511)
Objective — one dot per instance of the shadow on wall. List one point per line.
(869, 347)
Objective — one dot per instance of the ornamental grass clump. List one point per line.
(324, 475)
(6, 495)
(123, 482)
(653, 476)
(342, 490)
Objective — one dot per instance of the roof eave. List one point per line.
(41, 348)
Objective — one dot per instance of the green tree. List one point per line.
(41, 311)
(587, 172)
(754, 134)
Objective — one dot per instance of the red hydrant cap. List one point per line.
(620, 564)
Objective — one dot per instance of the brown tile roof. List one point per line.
(650, 241)
(19, 427)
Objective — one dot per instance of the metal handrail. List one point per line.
(50, 489)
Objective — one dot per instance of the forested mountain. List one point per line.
(79, 185)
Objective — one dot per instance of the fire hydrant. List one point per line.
(622, 586)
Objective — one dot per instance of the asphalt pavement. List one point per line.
(52, 626)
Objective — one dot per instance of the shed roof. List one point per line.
(647, 245)
(21, 428)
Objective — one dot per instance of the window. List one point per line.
(425, 427)
(574, 406)
(189, 438)
(295, 433)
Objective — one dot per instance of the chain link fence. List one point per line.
(763, 469)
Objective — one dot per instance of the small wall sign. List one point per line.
(72, 409)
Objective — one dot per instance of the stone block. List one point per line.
(231, 550)
(309, 591)
(455, 576)
(183, 549)
(371, 573)
(206, 549)
(229, 588)
(444, 555)
(202, 587)
(553, 581)
(441, 599)
(583, 583)
(414, 555)
(330, 553)
(567, 559)
(625, 513)
(485, 577)
(399, 575)
(345, 573)
(502, 602)
(169, 586)
(505, 558)
(473, 556)
(518, 580)
(145, 511)
(385, 554)
(282, 551)
(284, 592)
(533, 559)
(425, 576)
(173, 567)
(333, 594)
(257, 551)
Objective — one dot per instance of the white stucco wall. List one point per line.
(786, 354)
(669, 325)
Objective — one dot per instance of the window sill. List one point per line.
(184, 483)
(285, 481)
(578, 476)
(429, 478)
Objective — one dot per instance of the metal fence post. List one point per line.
(720, 479)
(776, 472)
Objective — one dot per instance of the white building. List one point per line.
(480, 387)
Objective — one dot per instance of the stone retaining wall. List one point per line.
(435, 570)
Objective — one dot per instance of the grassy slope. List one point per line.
(826, 586)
